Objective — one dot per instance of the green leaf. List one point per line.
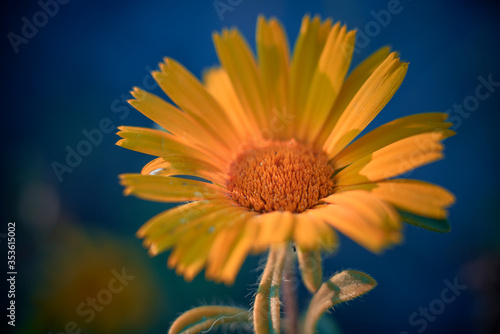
(341, 287)
(435, 225)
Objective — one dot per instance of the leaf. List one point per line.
(435, 225)
(341, 287)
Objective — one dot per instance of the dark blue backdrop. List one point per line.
(72, 73)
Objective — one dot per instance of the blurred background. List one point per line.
(79, 266)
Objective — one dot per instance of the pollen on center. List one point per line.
(281, 176)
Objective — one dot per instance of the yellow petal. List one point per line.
(274, 227)
(221, 249)
(360, 74)
(167, 220)
(192, 97)
(198, 237)
(352, 84)
(225, 243)
(392, 132)
(393, 160)
(362, 217)
(273, 54)
(195, 258)
(374, 209)
(237, 59)
(366, 104)
(307, 51)
(239, 253)
(161, 144)
(311, 269)
(418, 197)
(197, 247)
(169, 189)
(156, 166)
(311, 234)
(172, 119)
(165, 230)
(182, 165)
(327, 81)
(219, 85)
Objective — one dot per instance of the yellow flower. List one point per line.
(271, 138)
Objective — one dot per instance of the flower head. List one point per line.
(272, 138)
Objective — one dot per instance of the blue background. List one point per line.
(80, 66)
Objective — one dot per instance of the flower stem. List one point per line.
(289, 294)
(206, 317)
(267, 307)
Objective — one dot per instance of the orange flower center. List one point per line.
(282, 176)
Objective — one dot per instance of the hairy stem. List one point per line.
(289, 294)
(206, 317)
(267, 308)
